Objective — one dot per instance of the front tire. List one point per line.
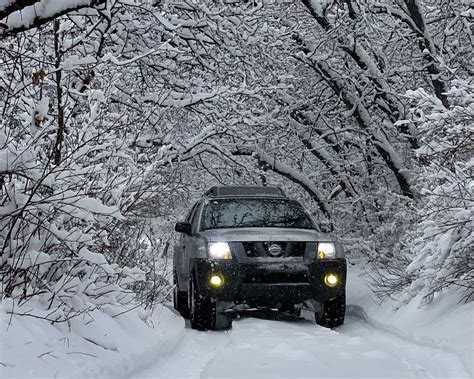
(204, 315)
(334, 311)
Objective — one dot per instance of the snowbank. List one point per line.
(444, 324)
(93, 345)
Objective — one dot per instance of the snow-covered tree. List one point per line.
(115, 111)
(92, 101)
(441, 253)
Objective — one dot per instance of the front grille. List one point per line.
(252, 249)
(262, 249)
(295, 249)
(276, 277)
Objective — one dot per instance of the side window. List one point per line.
(190, 215)
(195, 216)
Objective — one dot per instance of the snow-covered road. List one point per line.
(297, 348)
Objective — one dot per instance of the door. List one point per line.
(184, 252)
(190, 241)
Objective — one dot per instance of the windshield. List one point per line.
(239, 213)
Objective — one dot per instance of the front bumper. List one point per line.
(270, 284)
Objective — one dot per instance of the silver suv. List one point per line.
(252, 247)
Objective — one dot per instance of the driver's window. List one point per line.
(194, 217)
(191, 213)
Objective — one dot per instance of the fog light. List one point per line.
(216, 281)
(331, 280)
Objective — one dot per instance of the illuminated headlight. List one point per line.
(326, 250)
(219, 250)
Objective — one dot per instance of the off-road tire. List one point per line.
(203, 312)
(180, 299)
(333, 312)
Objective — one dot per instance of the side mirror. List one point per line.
(183, 227)
(326, 226)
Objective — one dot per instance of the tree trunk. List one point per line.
(59, 94)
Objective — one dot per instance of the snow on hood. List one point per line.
(264, 234)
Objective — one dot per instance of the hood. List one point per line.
(264, 234)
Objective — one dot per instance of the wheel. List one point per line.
(180, 299)
(204, 315)
(334, 311)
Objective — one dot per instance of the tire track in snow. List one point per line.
(265, 348)
(190, 357)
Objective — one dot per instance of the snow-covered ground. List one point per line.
(446, 324)
(257, 348)
(375, 342)
(432, 342)
(99, 346)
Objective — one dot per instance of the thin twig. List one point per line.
(48, 353)
(80, 352)
(127, 310)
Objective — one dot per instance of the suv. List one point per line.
(248, 247)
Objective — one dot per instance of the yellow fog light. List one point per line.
(216, 281)
(331, 280)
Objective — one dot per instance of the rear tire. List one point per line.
(334, 311)
(204, 315)
(180, 299)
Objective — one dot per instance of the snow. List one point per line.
(74, 61)
(42, 9)
(91, 346)
(376, 341)
(5, 3)
(42, 106)
(205, 86)
(295, 348)
(445, 324)
(266, 349)
(319, 6)
(95, 258)
(33, 258)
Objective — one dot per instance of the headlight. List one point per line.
(326, 250)
(219, 250)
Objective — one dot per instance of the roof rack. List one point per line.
(243, 191)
